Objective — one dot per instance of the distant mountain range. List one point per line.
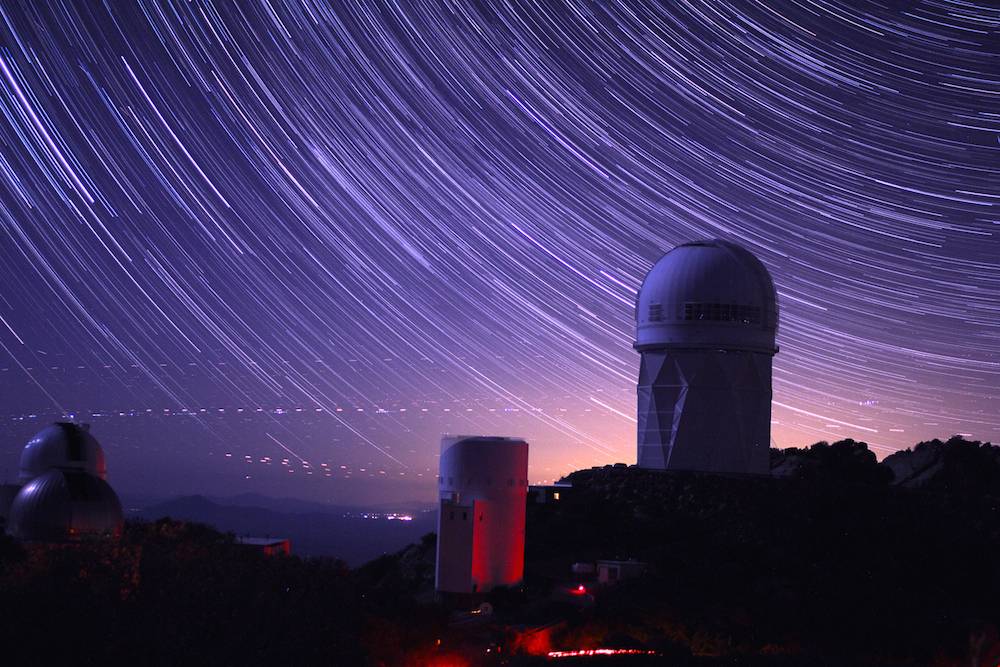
(315, 529)
(357, 535)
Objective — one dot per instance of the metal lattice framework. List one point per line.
(705, 410)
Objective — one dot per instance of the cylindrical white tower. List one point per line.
(483, 490)
(706, 319)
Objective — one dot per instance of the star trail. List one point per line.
(250, 238)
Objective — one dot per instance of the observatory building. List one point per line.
(63, 495)
(65, 446)
(706, 318)
(483, 491)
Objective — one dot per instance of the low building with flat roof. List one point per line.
(269, 546)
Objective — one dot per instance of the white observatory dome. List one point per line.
(64, 505)
(62, 446)
(707, 294)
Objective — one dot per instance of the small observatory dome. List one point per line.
(707, 294)
(65, 505)
(63, 446)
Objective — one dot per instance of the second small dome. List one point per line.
(62, 446)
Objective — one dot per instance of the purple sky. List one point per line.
(319, 238)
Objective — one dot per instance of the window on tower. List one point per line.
(720, 312)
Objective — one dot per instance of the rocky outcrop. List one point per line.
(845, 461)
(956, 466)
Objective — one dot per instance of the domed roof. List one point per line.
(63, 446)
(63, 505)
(711, 293)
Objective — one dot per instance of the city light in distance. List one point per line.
(594, 652)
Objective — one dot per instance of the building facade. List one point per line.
(483, 486)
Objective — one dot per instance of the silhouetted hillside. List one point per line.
(846, 461)
(835, 562)
(955, 466)
(829, 560)
(172, 593)
(830, 563)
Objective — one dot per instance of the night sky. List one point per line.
(281, 247)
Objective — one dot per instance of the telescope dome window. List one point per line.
(750, 314)
(721, 312)
(655, 312)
